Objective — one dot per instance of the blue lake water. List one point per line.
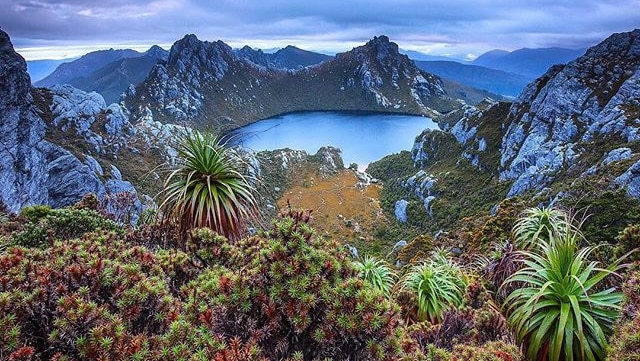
(362, 137)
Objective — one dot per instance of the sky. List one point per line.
(55, 29)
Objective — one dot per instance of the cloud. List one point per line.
(464, 26)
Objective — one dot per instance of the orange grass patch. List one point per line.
(341, 209)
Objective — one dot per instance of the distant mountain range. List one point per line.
(530, 63)
(208, 83)
(85, 65)
(495, 81)
(289, 57)
(39, 69)
(108, 72)
(111, 72)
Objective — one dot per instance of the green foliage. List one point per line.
(611, 212)
(628, 241)
(43, 225)
(559, 312)
(300, 290)
(95, 293)
(438, 284)
(540, 225)
(625, 343)
(376, 272)
(206, 189)
(283, 294)
(34, 213)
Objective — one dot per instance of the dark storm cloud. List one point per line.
(459, 25)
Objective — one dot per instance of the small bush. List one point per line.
(45, 225)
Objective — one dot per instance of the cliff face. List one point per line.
(34, 170)
(592, 99)
(21, 131)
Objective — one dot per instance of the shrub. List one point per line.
(625, 343)
(628, 240)
(90, 298)
(294, 294)
(45, 225)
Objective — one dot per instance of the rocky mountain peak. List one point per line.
(199, 59)
(15, 84)
(157, 53)
(594, 97)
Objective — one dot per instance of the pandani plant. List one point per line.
(376, 272)
(561, 312)
(206, 189)
(438, 283)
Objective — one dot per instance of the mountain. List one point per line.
(39, 69)
(34, 169)
(114, 78)
(208, 84)
(530, 63)
(418, 56)
(85, 65)
(572, 137)
(583, 116)
(490, 56)
(495, 81)
(289, 57)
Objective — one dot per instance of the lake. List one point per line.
(362, 137)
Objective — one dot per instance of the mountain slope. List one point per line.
(480, 77)
(85, 65)
(576, 116)
(210, 85)
(33, 169)
(530, 63)
(289, 57)
(572, 137)
(114, 78)
(39, 69)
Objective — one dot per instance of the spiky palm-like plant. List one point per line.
(206, 189)
(540, 224)
(559, 314)
(377, 272)
(439, 285)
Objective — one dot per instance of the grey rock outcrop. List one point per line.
(34, 170)
(594, 97)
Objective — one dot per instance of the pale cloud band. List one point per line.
(441, 26)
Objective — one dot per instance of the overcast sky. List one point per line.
(62, 28)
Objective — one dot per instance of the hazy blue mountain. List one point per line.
(289, 57)
(419, 56)
(495, 81)
(531, 63)
(39, 69)
(292, 57)
(490, 56)
(114, 78)
(85, 65)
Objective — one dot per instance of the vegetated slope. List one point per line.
(114, 78)
(208, 84)
(85, 65)
(573, 136)
(480, 77)
(530, 63)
